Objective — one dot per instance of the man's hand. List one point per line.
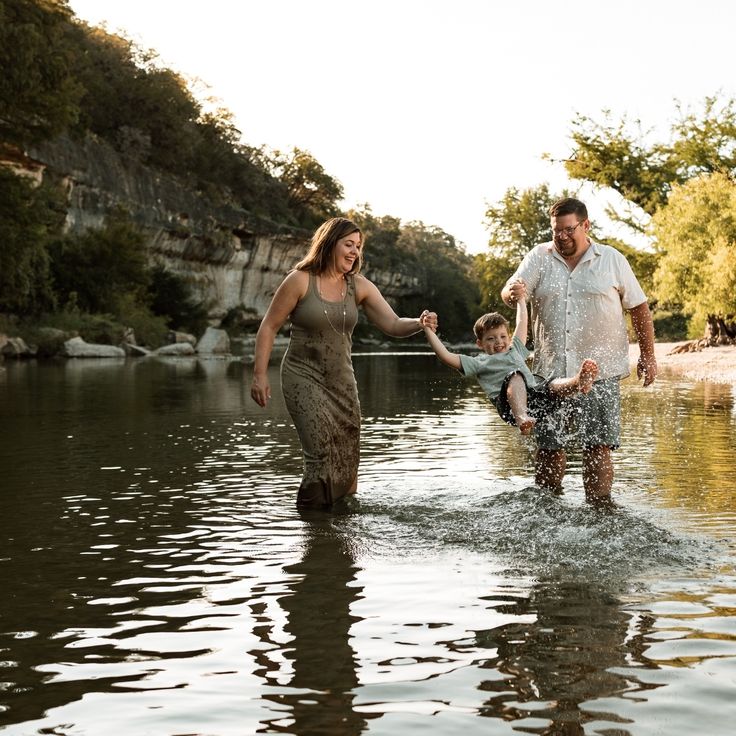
(517, 290)
(646, 366)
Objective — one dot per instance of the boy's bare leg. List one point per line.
(550, 469)
(582, 381)
(516, 395)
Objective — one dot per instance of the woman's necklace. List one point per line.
(324, 307)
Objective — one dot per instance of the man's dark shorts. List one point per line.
(585, 420)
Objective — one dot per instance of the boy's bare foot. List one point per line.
(525, 424)
(586, 375)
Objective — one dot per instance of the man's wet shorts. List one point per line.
(583, 420)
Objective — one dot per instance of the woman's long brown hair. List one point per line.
(323, 243)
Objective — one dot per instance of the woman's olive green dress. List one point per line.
(321, 394)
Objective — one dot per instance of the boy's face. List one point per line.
(495, 340)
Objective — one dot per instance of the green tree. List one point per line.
(696, 236)
(223, 164)
(126, 91)
(311, 190)
(443, 272)
(61, 75)
(619, 154)
(647, 173)
(171, 297)
(518, 222)
(29, 215)
(492, 272)
(446, 274)
(381, 236)
(96, 271)
(38, 92)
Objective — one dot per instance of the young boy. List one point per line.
(519, 396)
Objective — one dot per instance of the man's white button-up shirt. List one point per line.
(579, 314)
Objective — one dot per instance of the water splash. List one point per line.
(530, 532)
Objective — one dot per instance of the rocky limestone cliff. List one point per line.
(230, 257)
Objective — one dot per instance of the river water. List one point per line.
(157, 579)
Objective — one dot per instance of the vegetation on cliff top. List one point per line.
(62, 76)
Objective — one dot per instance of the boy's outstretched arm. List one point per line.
(522, 320)
(448, 358)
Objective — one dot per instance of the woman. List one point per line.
(321, 297)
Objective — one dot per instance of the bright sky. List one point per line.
(429, 109)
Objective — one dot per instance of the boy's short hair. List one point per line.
(488, 322)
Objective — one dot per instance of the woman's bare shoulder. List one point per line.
(296, 281)
(362, 285)
(292, 289)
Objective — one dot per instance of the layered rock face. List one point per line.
(229, 257)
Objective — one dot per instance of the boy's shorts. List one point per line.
(586, 420)
(539, 399)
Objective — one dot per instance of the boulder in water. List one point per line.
(213, 341)
(78, 348)
(176, 349)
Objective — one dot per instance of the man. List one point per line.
(579, 291)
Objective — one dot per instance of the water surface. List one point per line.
(157, 578)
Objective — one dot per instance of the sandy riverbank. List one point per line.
(711, 364)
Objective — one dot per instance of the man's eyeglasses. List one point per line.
(566, 231)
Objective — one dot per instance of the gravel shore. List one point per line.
(710, 364)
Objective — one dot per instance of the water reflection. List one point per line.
(157, 577)
(684, 442)
(556, 663)
(324, 678)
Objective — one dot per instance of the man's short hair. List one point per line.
(569, 206)
(488, 322)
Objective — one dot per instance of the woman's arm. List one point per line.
(380, 313)
(284, 301)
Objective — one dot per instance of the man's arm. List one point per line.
(641, 320)
(448, 358)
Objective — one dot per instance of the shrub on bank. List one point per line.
(670, 326)
(48, 332)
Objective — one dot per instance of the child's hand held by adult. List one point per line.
(428, 320)
(517, 291)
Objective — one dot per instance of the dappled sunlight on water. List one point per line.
(158, 578)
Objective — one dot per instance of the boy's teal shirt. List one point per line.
(490, 370)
